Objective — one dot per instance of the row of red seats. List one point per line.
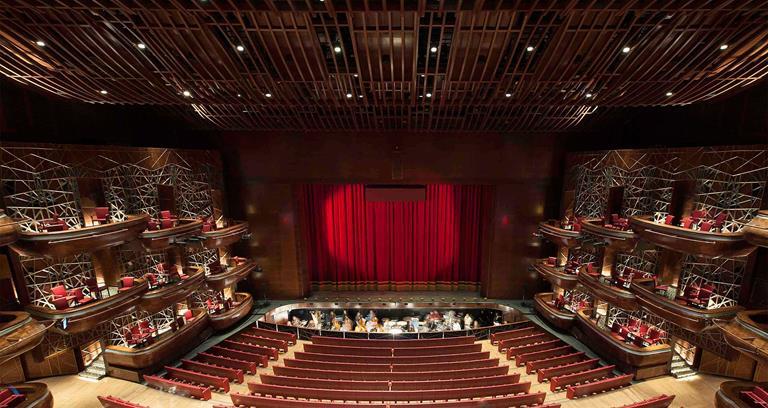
(698, 296)
(638, 333)
(699, 220)
(114, 402)
(167, 220)
(534, 399)
(10, 398)
(756, 397)
(63, 299)
(480, 355)
(139, 334)
(624, 279)
(392, 352)
(616, 223)
(519, 337)
(332, 374)
(659, 401)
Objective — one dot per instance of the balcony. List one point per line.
(222, 320)
(66, 242)
(232, 232)
(756, 232)
(675, 311)
(230, 275)
(130, 363)
(748, 333)
(165, 295)
(19, 333)
(644, 362)
(614, 237)
(544, 305)
(8, 231)
(85, 317)
(158, 239)
(555, 275)
(37, 395)
(691, 241)
(553, 232)
(730, 394)
(614, 295)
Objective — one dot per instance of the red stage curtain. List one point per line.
(391, 245)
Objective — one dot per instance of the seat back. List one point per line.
(59, 291)
(60, 303)
(164, 224)
(165, 214)
(127, 281)
(101, 212)
(706, 226)
(669, 219)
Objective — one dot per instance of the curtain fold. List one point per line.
(435, 244)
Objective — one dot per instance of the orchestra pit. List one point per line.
(383, 203)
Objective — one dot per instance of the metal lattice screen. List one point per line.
(161, 321)
(41, 274)
(724, 274)
(641, 260)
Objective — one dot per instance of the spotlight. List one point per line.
(669, 94)
(508, 95)
(429, 95)
(268, 95)
(337, 49)
(355, 75)
(433, 49)
(186, 94)
(724, 47)
(240, 48)
(589, 95)
(529, 48)
(349, 95)
(40, 43)
(103, 92)
(359, 96)
(141, 46)
(626, 50)
(238, 95)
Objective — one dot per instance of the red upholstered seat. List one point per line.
(101, 215)
(669, 219)
(165, 224)
(706, 226)
(60, 303)
(126, 283)
(165, 215)
(80, 298)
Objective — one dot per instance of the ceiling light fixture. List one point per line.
(103, 92)
(142, 46)
(589, 95)
(187, 94)
(508, 95)
(268, 95)
(337, 49)
(359, 96)
(626, 50)
(240, 48)
(433, 49)
(349, 95)
(529, 48)
(724, 47)
(238, 95)
(40, 43)
(429, 95)
(355, 75)
(669, 94)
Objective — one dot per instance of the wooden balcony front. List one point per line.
(161, 239)
(226, 236)
(8, 230)
(60, 244)
(551, 230)
(616, 296)
(19, 333)
(226, 319)
(230, 277)
(131, 363)
(560, 319)
(555, 275)
(687, 317)
(644, 362)
(748, 334)
(86, 317)
(756, 232)
(614, 238)
(37, 395)
(690, 241)
(729, 394)
(163, 296)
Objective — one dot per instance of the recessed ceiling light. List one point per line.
(103, 92)
(589, 95)
(268, 95)
(669, 94)
(337, 49)
(40, 43)
(187, 94)
(238, 95)
(349, 95)
(429, 95)
(142, 46)
(433, 49)
(423, 76)
(240, 48)
(508, 95)
(529, 48)
(724, 47)
(355, 75)
(626, 50)
(359, 96)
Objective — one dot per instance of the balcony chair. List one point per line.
(720, 221)
(551, 261)
(126, 283)
(699, 215)
(94, 290)
(59, 291)
(101, 214)
(207, 226)
(60, 303)
(706, 226)
(669, 219)
(80, 298)
(691, 293)
(146, 329)
(129, 338)
(153, 225)
(151, 278)
(590, 269)
(167, 223)
(188, 316)
(182, 275)
(215, 267)
(167, 215)
(138, 335)
(576, 227)
(705, 293)
(687, 223)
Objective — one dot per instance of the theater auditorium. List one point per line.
(383, 203)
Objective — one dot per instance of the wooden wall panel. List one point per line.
(60, 363)
(742, 367)
(12, 371)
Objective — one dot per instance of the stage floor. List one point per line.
(697, 391)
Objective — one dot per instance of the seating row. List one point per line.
(659, 401)
(114, 402)
(340, 358)
(393, 344)
(534, 399)
(757, 397)
(385, 385)
(382, 368)
(178, 388)
(9, 398)
(393, 352)
(271, 334)
(545, 374)
(391, 376)
(576, 391)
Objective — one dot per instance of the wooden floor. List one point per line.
(74, 392)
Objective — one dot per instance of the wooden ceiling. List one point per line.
(497, 64)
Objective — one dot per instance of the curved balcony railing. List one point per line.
(553, 232)
(225, 319)
(645, 362)
(561, 319)
(166, 295)
(685, 316)
(85, 317)
(614, 238)
(164, 238)
(690, 241)
(756, 232)
(555, 275)
(61, 244)
(230, 276)
(228, 235)
(8, 230)
(36, 395)
(748, 333)
(19, 333)
(614, 295)
(730, 394)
